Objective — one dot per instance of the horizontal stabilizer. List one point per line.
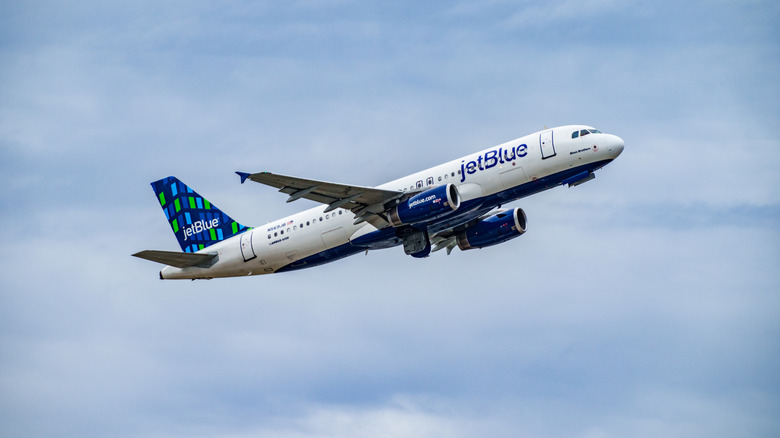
(178, 259)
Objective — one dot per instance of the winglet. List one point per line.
(243, 176)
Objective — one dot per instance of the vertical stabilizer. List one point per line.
(195, 221)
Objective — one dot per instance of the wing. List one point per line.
(365, 202)
(178, 259)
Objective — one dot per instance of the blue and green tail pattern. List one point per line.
(195, 221)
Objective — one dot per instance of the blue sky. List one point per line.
(643, 303)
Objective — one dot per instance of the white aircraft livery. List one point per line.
(457, 203)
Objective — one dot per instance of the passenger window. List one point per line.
(275, 234)
(307, 223)
(320, 218)
(281, 232)
(269, 236)
(575, 134)
(295, 227)
(419, 184)
(341, 212)
(439, 178)
(327, 216)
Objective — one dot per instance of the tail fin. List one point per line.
(196, 222)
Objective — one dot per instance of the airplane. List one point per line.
(455, 204)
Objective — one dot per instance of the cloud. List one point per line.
(641, 303)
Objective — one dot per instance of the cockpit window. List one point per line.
(584, 132)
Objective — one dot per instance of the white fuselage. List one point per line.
(495, 175)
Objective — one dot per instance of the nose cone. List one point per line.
(614, 145)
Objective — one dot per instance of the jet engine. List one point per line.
(492, 230)
(426, 206)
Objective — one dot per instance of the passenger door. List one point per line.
(246, 246)
(546, 143)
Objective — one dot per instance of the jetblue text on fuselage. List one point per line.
(491, 159)
(421, 201)
(199, 226)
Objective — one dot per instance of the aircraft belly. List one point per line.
(470, 191)
(512, 177)
(335, 237)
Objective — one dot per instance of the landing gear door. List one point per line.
(546, 143)
(246, 246)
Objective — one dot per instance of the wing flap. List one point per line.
(178, 259)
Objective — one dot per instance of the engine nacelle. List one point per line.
(426, 206)
(493, 230)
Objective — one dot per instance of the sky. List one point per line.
(644, 303)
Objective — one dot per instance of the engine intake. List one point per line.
(426, 206)
(494, 229)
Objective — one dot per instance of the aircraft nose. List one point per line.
(615, 145)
